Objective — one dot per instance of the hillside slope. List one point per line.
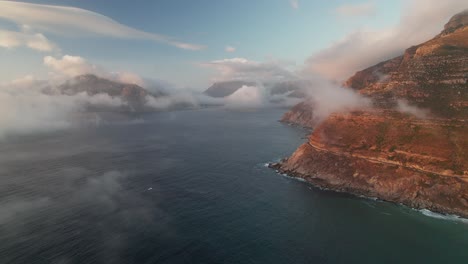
(382, 152)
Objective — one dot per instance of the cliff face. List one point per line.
(432, 75)
(384, 153)
(421, 163)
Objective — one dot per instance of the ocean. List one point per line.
(192, 187)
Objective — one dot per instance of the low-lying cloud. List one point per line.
(25, 109)
(326, 98)
(246, 97)
(77, 191)
(404, 107)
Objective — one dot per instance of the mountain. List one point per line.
(134, 95)
(223, 89)
(294, 89)
(431, 75)
(392, 151)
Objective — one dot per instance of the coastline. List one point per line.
(322, 184)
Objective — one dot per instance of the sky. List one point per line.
(191, 44)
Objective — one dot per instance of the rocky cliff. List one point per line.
(421, 160)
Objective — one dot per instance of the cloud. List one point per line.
(129, 77)
(355, 10)
(230, 49)
(104, 197)
(25, 109)
(327, 97)
(73, 21)
(12, 39)
(404, 107)
(246, 97)
(71, 66)
(248, 70)
(294, 3)
(420, 21)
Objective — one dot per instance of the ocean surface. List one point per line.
(191, 187)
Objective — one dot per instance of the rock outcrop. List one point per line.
(382, 152)
(301, 114)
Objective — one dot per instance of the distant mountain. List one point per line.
(293, 89)
(134, 95)
(223, 89)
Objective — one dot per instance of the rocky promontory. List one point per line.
(411, 146)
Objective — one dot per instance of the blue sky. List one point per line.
(263, 30)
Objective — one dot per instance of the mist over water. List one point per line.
(191, 187)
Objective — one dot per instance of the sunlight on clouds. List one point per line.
(12, 39)
(248, 70)
(71, 66)
(78, 22)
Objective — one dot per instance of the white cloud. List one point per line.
(246, 97)
(420, 21)
(354, 10)
(13, 39)
(24, 109)
(294, 3)
(71, 66)
(230, 49)
(248, 70)
(404, 107)
(129, 77)
(327, 98)
(78, 22)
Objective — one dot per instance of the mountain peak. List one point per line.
(458, 21)
(86, 77)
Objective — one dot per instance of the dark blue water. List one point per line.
(191, 187)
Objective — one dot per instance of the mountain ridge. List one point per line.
(381, 152)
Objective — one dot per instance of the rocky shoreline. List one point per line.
(411, 146)
(363, 192)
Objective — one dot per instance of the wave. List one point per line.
(448, 217)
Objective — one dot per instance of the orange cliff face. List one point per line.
(380, 152)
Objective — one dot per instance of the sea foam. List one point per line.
(449, 217)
